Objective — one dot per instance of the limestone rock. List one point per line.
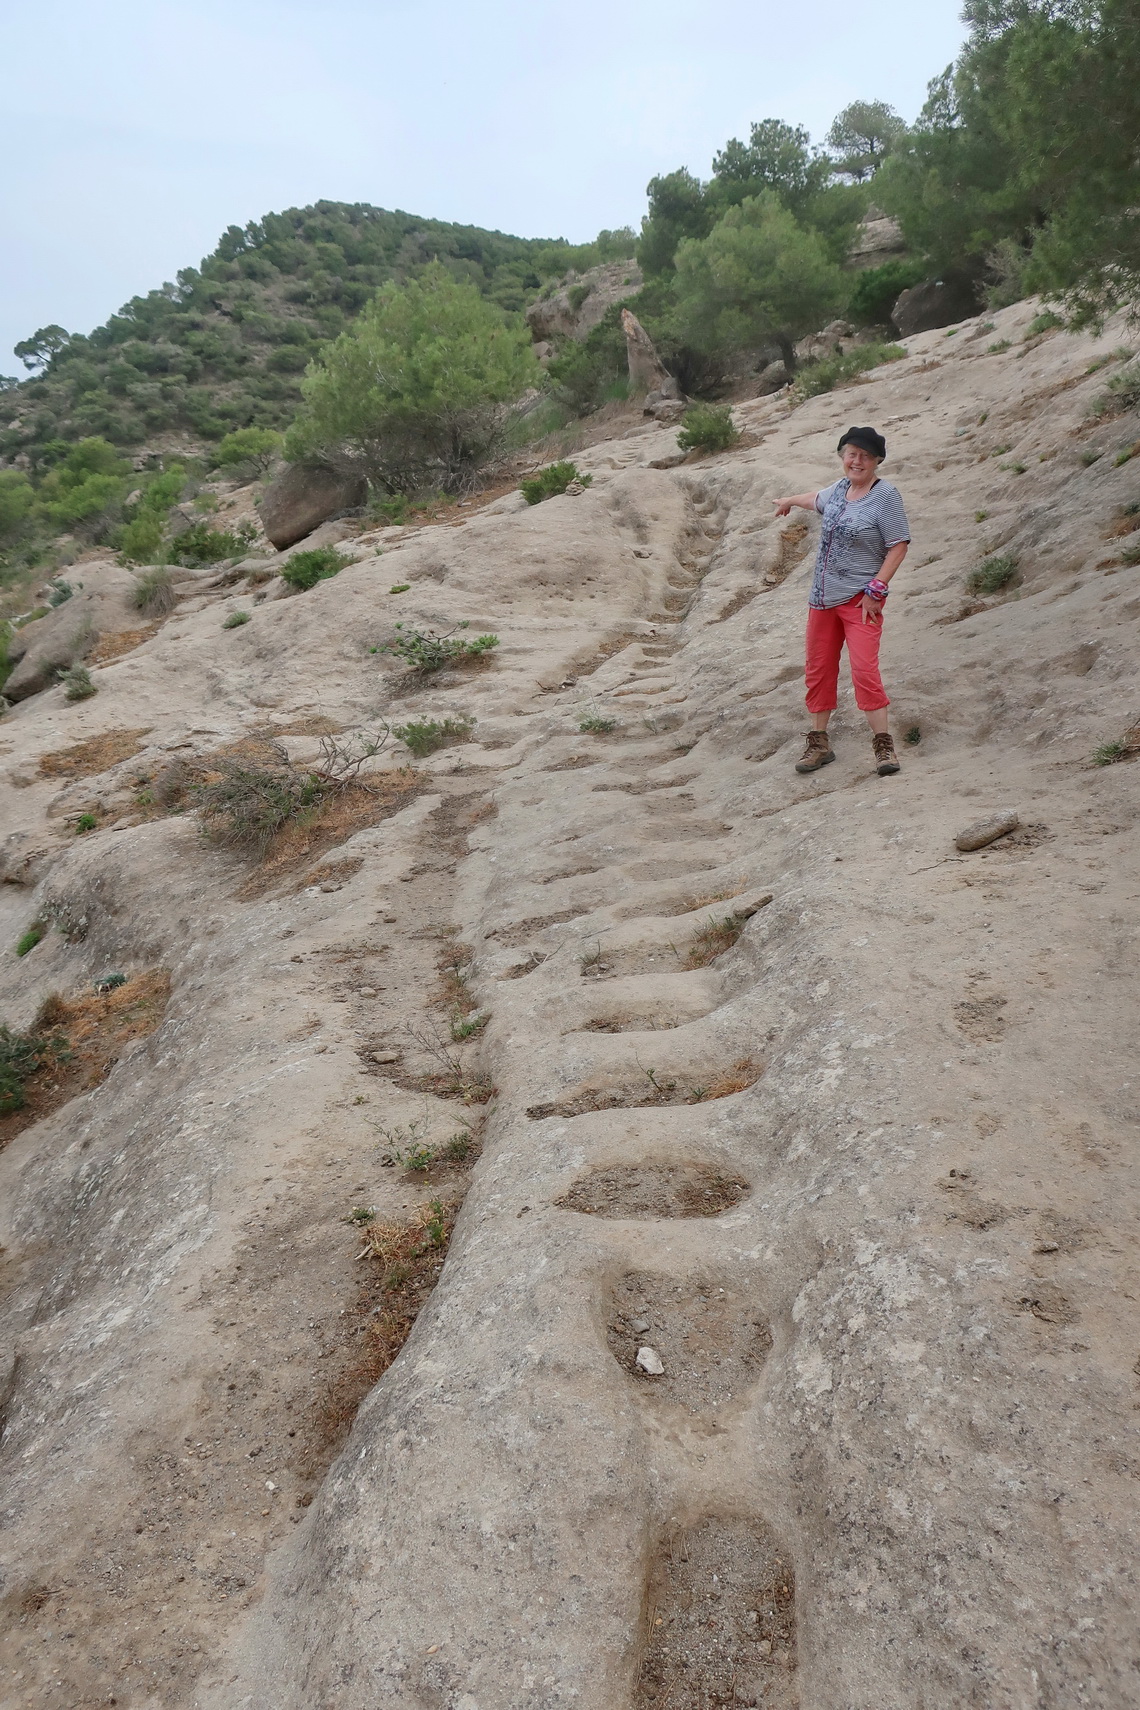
(303, 497)
(829, 341)
(649, 1362)
(663, 408)
(877, 240)
(581, 301)
(774, 378)
(985, 831)
(647, 373)
(101, 602)
(933, 303)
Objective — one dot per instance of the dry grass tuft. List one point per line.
(110, 647)
(713, 940)
(97, 754)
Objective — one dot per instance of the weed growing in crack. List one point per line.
(86, 822)
(597, 724)
(77, 684)
(1108, 753)
(236, 619)
(424, 650)
(994, 575)
(913, 735)
(425, 736)
(29, 939)
(713, 940)
(361, 1215)
(468, 1027)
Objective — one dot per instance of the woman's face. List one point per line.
(858, 465)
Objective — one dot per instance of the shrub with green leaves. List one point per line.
(994, 575)
(1045, 322)
(707, 427)
(551, 481)
(77, 684)
(305, 569)
(877, 290)
(23, 1055)
(250, 447)
(424, 650)
(596, 724)
(29, 939)
(202, 544)
(249, 802)
(833, 371)
(1123, 393)
(154, 593)
(424, 736)
(236, 619)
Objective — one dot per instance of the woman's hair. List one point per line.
(866, 439)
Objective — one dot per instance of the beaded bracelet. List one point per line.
(877, 590)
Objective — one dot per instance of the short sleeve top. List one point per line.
(854, 539)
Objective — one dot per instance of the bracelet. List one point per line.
(877, 590)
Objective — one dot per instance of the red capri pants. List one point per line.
(826, 633)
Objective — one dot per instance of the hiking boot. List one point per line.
(886, 760)
(817, 753)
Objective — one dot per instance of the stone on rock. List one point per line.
(647, 372)
(649, 1362)
(934, 303)
(985, 831)
(304, 496)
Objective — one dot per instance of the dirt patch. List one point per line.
(510, 937)
(623, 1023)
(792, 549)
(706, 1332)
(318, 725)
(1048, 1303)
(981, 1018)
(108, 648)
(97, 754)
(97, 1026)
(644, 1191)
(331, 875)
(653, 1089)
(574, 763)
(720, 1625)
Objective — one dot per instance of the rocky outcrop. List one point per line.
(648, 375)
(304, 496)
(934, 303)
(582, 299)
(878, 239)
(101, 603)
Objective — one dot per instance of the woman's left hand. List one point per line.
(872, 610)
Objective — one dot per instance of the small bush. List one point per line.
(77, 684)
(86, 822)
(424, 650)
(980, 516)
(551, 481)
(1043, 323)
(1123, 393)
(596, 724)
(23, 1055)
(141, 540)
(707, 427)
(28, 940)
(877, 289)
(1131, 553)
(996, 348)
(305, 569)
(394, 509)
(834, 370)
(250, 447)
(913, 735)
(1126, 456)
(1088, 458)
(202, 544)
(236, 619)
(993, 575)
(1108, 753)
(399, 587)
(249, 802)
(424, 737)
(154, 593)
(59, 593)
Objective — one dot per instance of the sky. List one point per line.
(135, 133)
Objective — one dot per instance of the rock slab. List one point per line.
(302, 498)
(985, 831)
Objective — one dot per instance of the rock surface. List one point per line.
(100, 604)
(934, 303)
(301, 498)
(988, 830)
(581, 301)
(864, 1165)
(877, 240)
(647, 373)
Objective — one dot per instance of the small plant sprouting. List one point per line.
(424, 736)
(980, 516)
(713, 940)
(1042, 323)
(551, 481)
(424, 650)
(236, 619)
(697, 1095)
(1016, 468)
(29, 939)
(361, 1214)
(466, 1027)
(597, 724)
(1108, 753)
(1131, 553)
(998, 346)
(86, 822)
(77, 684)
(1088, 458)
(913, 735)
(108, 983)
(1126, 456)
(399, 587)
(590, 959)
(1000, 450)
(994, 575)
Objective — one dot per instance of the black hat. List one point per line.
(866, 439)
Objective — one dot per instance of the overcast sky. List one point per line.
(134, 132)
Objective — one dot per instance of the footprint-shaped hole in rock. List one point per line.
(656, 1087)
(706, 1332)
(655, 1190)
(720, 1622)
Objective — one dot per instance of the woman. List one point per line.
(863, 541)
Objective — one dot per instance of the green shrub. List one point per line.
(251, 447)
(1043, 323)
(394, 509)
(86, 822)
(236, 619)
(596, 724)
(1088, 458)
(202, 544)
(77, 684)
(154, 593)
(305, 569)
(17, 497)
(1108, 753)
(28, 940)
(877, 289)
(59, 593)
(577, 295)
(23, 1055)
(399, 588)
(424, 737)
(707, 427)
(913, 735)
(832, 371)
(996, 348)
(550, 482)
(424, 650)
(141, 540)
(993, 575)
(250, 801)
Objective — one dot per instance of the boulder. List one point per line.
(100, 604)
(664, 409)
(831, 340)
(579, 303)
(877, 240)
(773, 378)
(934, 303)
(647, 373)
(304, 496)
